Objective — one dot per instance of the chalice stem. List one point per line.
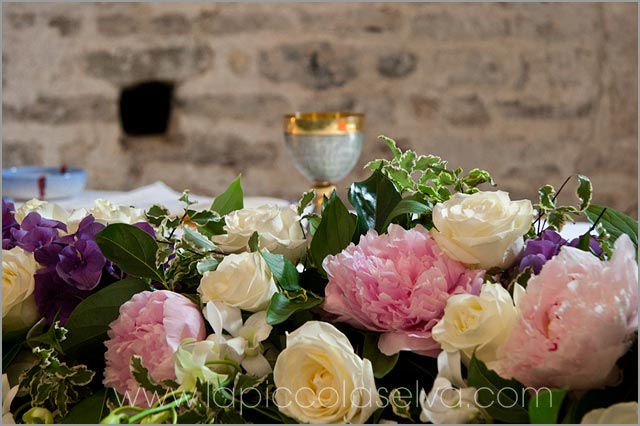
(322, 189)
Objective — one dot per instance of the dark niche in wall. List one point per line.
(145, 108)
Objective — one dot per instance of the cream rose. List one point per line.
(18, 305)
(241, 280)
(280, 231)
(44, 209)
(621, 413)
(320, 379)
(484, 229)
(106, 212)
(481, 323)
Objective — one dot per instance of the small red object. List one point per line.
(42, 184)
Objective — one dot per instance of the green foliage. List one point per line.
(89, 321)
(382, 364)
(614, 222)
(230, 200)
(282, 307)
(373, 200)
(141, 374)
(305, 200)
(546, 405)
(557, 215)
(283, 270)
(334, 232)
(491, 386)
(132, 249)
(53, 337)
(53, 384)
(88, 411)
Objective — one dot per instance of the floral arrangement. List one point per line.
(430, 301)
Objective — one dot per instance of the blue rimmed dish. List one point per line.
(46, 183)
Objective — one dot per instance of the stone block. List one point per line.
(397, 64)
(21, 153)
(118, 24)
(352, 19)
(532, 108)
(265, 108)
(66, 25)
(128, 66)
(230, 150)
(314, 65)
(228, 20)
(466, 111)
(460, 22)
(20, 20)
(171, 23)
(239, 62)
(64, 110)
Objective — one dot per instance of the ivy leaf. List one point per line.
(614, 222)
(156, 214)
(230, 200)
(307, 198)
(546, 405)
(207, 264)
(397, 153)
(132, 249)
(141, 374)
(382, 364)
(281, 307)
(490, 385)
(584, 191)
(546, 194)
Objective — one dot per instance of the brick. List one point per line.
(117, 25)
(424, 107)
(315, 65)
(555, 22)
(353, 19)
(171, 23)
(266, 107)
(473, 67)
(466, 111)
(128, 66)
(396, 64)
(64, 110)
(21, 153)
(230, 150)
(66, 25)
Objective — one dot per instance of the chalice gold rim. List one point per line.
(323, 123)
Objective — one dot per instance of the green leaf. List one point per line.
(281, 307)
(254, 242)
(546, 194)
(283, 270)
(307, 198)
(156, 214)
(373, 199)
(90, 320)
(382, 364)
(9, 355)
(197, 239)
(54, 336)
(141, 375)
(230, 200)
(334, 231)
(511, 393)
(584, 191)
(406, 206)
(132, 249)
(614, 222)
(545, 407)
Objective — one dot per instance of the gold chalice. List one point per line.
(325, 146)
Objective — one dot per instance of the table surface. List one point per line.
(160, 193)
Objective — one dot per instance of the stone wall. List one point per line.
(531, 92)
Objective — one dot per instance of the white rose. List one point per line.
(106, 212)
(43, 208)
(279, 230)
(18, 305)
(621, 413)
(241, 280)
(484, 229)
(480, 323)
(450, 401)
(320, 379)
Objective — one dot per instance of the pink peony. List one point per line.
(397, 283)
(151, 325)
(576, 321)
